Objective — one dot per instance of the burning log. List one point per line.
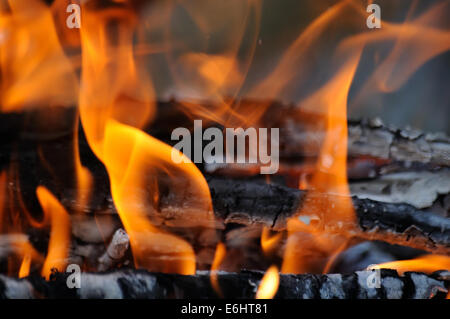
(383, 284)
(248, 202)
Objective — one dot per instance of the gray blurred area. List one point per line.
(422, 102)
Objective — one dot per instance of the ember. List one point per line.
(207, 149)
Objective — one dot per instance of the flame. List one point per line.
(269, 242)
(59, 243)
(269, 284)
(134, 160)
(83, 175)
(34, 68)
(426, 264)
(218, 259)
(203, 75)
(117, 100)
(329, 177)
(24, 270)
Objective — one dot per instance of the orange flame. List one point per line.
(115, 101)
(83, 175)
(25, 266)
(215, 77)
(426, 264)
(34, 68)
(269, 242)
(269, 284)
(329, 177)
(59, 242)
(218, 259)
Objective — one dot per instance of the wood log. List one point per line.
(252, 203)
(247, 202)
(138, 284)
(300, 136)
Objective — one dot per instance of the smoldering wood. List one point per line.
(138, 284)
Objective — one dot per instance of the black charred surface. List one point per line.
(241, 200)
(139, 284)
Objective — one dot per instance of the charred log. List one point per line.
(246, 202)
(142, 284)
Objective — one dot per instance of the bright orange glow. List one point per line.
(35, 71)
(59, 243)
(269, 284)
(269, 242)
(218, 259)
(426, 264)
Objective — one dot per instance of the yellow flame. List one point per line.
(269, 284)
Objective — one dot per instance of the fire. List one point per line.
(24, 270)
(116, 96)
(426, 264)
(115, 102)
(307, 230)
(269, 242)
(59, 221)
(218, 259)
(269, 284)
(84, 177)
(35, 71)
